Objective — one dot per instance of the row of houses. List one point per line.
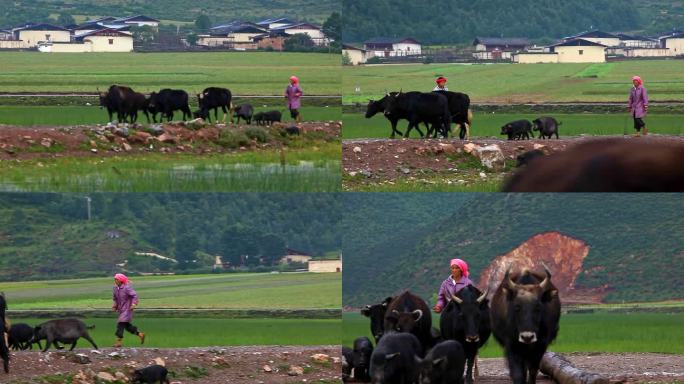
(106, 34)
(592, 46)
(293, 256)
(269, 33)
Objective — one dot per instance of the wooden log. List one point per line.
(563, 372)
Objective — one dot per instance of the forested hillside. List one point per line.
(19, 11)
(636, 242)
(460, 21)
(49, 235)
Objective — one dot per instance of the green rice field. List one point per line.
(244, 73)
(215, 291)
(313, 169)
(520, 83)
(22, 115)
(597, 332)
(489, 124)
(200, 332)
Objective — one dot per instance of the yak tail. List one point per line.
(470, 117)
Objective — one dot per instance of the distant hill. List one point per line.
(49, 236)
(636, 245)
(460, 21)
(15, 12)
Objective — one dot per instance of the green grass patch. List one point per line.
(627, 332)
(23, 115)
(221, 291)
(198, 332)
(517, 83)
(489, 124)
(244, 73)
(436, 183)
(314, 168)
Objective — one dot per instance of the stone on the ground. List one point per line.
(490, 156)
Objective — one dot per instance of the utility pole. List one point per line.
(88, 200)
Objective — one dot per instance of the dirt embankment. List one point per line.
(245, 364)
(181, 137)
(380, 161)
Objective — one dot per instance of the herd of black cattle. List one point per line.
(126, 103)
(439, 109)
(523, 316)
(22, 336)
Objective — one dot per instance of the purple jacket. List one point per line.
(124, 297)
(638, 99)
(449, 287)
(293, 94)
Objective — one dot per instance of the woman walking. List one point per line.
(638, 104)
(293, 94)
(125, 301)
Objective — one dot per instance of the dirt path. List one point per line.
(176, 137)
(378, 161)
(248, 364)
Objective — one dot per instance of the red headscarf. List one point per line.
(121, 277)
(638, 80)
(461, 265)
(294, 79)
(441, 79)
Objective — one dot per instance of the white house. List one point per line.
(356, 55)
(674, 43)
(493, 48)
(312, 30)
(580, 51)
(236, 34)
(32, 34)
(390, 47)
(105, 40)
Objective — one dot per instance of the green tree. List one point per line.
(65, 19)
(346, 60)
(332, 28)
(203, 23)
(299, 42)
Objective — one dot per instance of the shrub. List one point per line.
(232, 139)
(257, 134)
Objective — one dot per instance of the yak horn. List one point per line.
(483, 296)
(456, 299)
(395, 312)
(546, 283)
(507, 279)
(419, 313)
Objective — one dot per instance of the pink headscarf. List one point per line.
(294, 79)
(638, 80)
(121, 277)
(461, 265)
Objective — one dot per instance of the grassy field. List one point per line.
(198, 332)
(73, 115)
(489, 124)
(631, 332)
(442, 183)
(229, 291)
(244, 73)
(518, 83)
(315, 169)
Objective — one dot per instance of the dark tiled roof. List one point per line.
(593, 34)
(390, 40)
(136, 18)
(43, 27)
(578, 43)
(502, 41)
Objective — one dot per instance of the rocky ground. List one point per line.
(245, 364)
(616, 367)
(176, 137)
(446, 161)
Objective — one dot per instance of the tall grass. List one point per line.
(198, 332)
(489, 124)
(516, 83)
(605, 332)
(73, 115)
(314, 169)
(244, 73)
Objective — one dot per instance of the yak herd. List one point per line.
(437, 110)
(126, 104)
(523, 316)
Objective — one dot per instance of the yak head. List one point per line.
(506, 129)
(537, 125)
(393, 99)
(376, 313)
(467, 306)
(404, 321)
(363, 349)
(526, 300)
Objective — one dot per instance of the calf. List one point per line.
(444, 364)
(394, 359)
(244, 111)
(605, 165)
(547, 126)
(363, 349)
(518, 129)
(20, 336)
(62, 330)
(270, 117)
(376, 314)
(151, 375)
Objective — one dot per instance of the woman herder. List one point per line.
(125, 301)
(638, 104)
(452, 284)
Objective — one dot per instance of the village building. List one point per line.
(311, 30)
(138, 21)
(232, 35)
(393, 47)
(356, 55)
(674, 43)
(495, 48)
(325, 266)
(277, 22)
(294, 256)
(275, 41)
(104, 40)
(33, 34)
(598, 37)
(580, 51)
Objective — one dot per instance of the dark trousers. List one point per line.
(127, 326)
